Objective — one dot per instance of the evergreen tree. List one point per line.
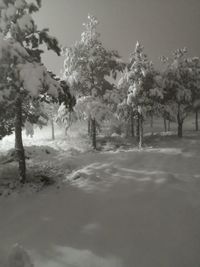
(20, 57)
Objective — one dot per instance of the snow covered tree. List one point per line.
(180, 83)
(194, 67)
(125, 111)
(20, 59)
(141, 86)
(87, 64)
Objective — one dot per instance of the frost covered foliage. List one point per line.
(65, 117)
(16, 21)
(19, 257)
(91, 107)
(140, 83)
(87, 63)
(35, 79)
(50, 109)
(140, 76)
(28, 77)
(65, 114)
(19, 49)
(181, 84)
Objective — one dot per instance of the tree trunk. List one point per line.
(180, 129)
(151, 123)
(93, 122)
(89, 126)
(140, 131)
(127, 130)
(169, 126)
(132, 124)
(165, 124)
(196, 120)
(138, 127)
(52, 130)
(19, 149)
(180, 123)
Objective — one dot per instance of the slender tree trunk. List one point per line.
(138, 127)
(127, 128)
(180, 129)
(93, 122)
(169, 126)
(165, 124)
(19, 148)
(196, 120)
(132, 124)
(140, 131)
(151, 123)
(180, 123)
(52, 130)
(89, 126)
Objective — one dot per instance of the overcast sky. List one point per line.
(160, 25)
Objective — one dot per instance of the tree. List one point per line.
(179, 85)
(65, 113)
(126, 112)
(20, 56)
(141, 92)
(87, 64)
(195, 87)
(50, 109)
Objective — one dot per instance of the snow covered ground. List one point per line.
(42, 137)
(115, 209)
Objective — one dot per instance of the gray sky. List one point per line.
(160, 25)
